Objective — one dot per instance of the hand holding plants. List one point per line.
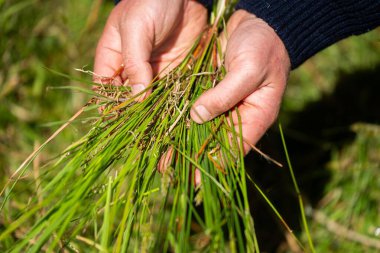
(147, 36)
(257, 67)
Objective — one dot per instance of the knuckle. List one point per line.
(222, 103)
(137, 70)
(131, 66)
(251, 69)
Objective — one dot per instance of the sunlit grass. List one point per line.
(61, 36)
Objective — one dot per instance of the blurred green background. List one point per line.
(330, 113)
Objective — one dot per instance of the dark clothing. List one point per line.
(308, 26)
(206, 3)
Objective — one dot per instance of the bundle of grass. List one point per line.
(104, 192)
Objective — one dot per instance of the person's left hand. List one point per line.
(257, 67)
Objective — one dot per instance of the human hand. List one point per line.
(257, 67)
(146, 37)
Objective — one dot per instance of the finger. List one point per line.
(108, 58)
(197, 178)
(165, 160)
(257, 113)
(236, 86)
(137, 46)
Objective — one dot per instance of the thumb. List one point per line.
(137, 45)
(236, 86)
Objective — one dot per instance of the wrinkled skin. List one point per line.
(257, 67)
(147, 36)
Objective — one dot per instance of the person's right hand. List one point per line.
(147, 36)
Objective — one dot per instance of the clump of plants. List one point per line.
(145, 178)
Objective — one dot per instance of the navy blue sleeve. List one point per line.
(206, 3)
(308, 26)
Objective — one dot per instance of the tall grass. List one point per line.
(109, 178)
(105, 193)
(108, 190)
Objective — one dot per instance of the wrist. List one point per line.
(251, 24)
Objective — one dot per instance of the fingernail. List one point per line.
(201, 114)
(136, 89)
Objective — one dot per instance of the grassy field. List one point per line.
(330, 116)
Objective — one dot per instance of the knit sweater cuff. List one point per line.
(306, 27)
(206, 3)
